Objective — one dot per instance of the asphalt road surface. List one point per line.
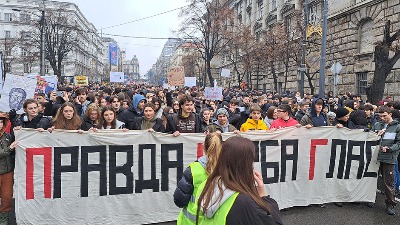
(349, 214)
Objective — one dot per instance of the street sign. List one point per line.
(336, 68)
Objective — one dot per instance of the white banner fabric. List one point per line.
(116, 177)
(15, 91)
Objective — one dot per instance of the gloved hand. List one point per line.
(12, 114)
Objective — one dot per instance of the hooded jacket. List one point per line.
(128, 116)
(281, 123)
(252, 125)
(311, 116)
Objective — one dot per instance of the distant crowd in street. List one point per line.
(216, 178)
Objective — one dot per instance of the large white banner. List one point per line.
(116, 177)
(15, 91)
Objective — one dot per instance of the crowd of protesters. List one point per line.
(152, 108)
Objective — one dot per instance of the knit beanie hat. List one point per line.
(222, 111)
(341, 111)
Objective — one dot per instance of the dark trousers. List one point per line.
(387, 171)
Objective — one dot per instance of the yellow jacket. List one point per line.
(252, 125)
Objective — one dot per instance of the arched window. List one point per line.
(367, 37)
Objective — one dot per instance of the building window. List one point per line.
(23, 52)
(367, 37)
(8, 16)
(272, 5)
(240, 7)
(8, 51)
(7, 34)
(249, 18)
(362, 83)
(7, 67)
(46, 69)
(260, 10)
(26, 68)
(314, 15)
(25, 18)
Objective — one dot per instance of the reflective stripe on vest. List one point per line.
(188, 213)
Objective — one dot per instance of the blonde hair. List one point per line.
(212, 149)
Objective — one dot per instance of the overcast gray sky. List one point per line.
(105, 13)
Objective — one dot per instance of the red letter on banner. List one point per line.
(313, 149)
(200, 150)
(47, 155)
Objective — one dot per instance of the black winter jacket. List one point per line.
(128, 115)
(184, 190)
(87, 123)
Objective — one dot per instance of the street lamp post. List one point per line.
(42, 52)
(321, 92)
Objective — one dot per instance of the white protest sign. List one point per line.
(225, 73)
(117, 77)
(65, 177)
(190, 81)
(45, 84)
(15, 91)
(213, 93)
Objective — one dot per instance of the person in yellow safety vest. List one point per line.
(234, 193)
(193, 176)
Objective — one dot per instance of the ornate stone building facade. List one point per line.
(354, 28)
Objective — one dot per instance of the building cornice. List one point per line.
(352, 9)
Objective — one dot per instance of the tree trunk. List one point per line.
(275, 78)
(309, 79)
(210, 77)
(376, 89)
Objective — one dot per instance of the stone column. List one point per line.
(297, 5)
(279, 4)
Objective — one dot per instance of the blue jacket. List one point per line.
(128, 116)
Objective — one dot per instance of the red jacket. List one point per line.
(280, 123)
